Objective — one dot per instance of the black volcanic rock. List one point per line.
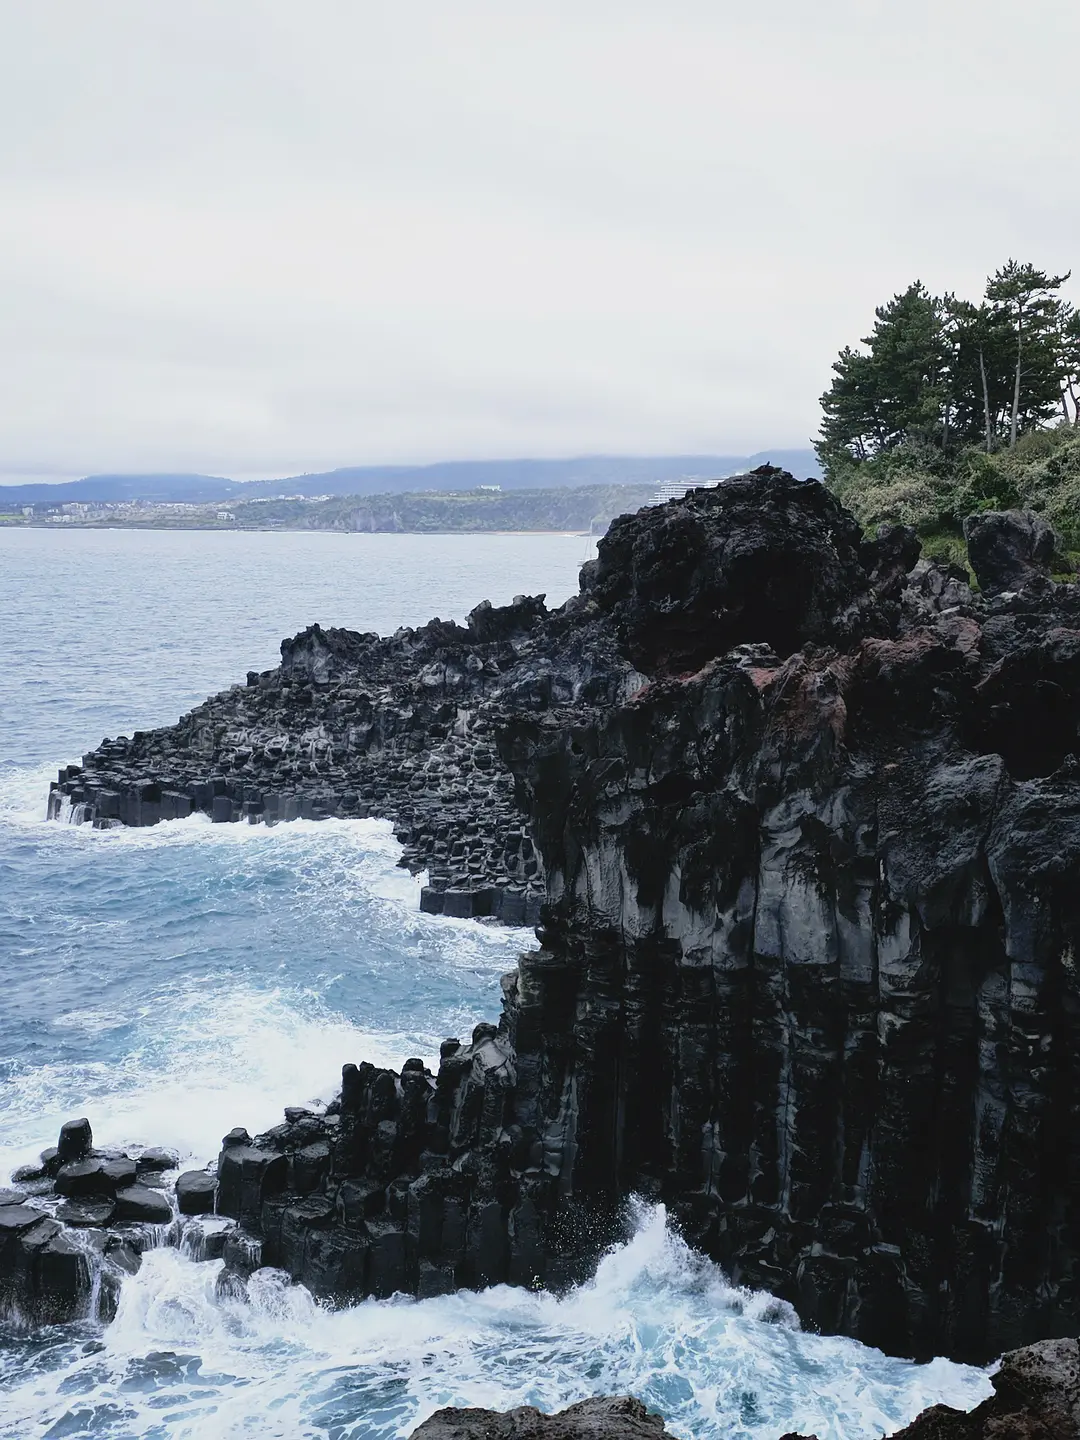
(763, 559)
(82, 1178)
(154, 1160)
(806, 818)
(76, 1141)
(138, 1202)
(195, 1192)
(605, 1418)
(1009, 548)
(85, 1212)
(353, 725)
(60, 1257)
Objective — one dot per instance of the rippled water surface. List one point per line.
(171, 983)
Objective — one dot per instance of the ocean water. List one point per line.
(171, 983)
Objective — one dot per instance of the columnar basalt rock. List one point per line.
(807, 812)
(352, 725)
(72, 1226)
(813, 919)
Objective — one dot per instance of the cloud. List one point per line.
(259, 237)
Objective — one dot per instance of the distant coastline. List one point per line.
(570, 510)
(275, 529)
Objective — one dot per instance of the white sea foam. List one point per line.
(200, 1052)
(24, 794)
(657, 1321)
(228, 1059)
(364, 851)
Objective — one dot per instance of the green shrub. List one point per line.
(911, 486)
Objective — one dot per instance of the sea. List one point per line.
(173, 982)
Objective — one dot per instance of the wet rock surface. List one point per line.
(73, 1225)
(606, 1418)
(806, 968)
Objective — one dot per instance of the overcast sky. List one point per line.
(255, 237)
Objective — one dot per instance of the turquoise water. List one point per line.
(174, 982)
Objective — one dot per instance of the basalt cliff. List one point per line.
(804, 815)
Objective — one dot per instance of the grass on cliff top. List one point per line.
(914, 485)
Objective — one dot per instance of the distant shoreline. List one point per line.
(272, 530)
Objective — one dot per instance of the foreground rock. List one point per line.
(808, 819)
(74, 1225)
(620, 1418)
(1008, 549)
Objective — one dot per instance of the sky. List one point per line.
(257, 237)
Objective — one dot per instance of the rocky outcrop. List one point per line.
(1009, 548)
(350, 725)
(72, 1226)
(812, 925)
(618, 1418)
(807, 814)
(696, 580)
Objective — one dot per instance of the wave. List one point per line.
(223, 1058)
(657, 1321)
(183, 978)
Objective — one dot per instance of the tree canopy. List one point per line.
(951, 406)
(943, 373)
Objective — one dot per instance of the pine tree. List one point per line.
(1068, 349)
(1026, 300)
(980, 371)
(899, 389)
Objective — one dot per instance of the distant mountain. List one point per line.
(461, 475)
(458, 475)
(114, 488)
(454, 475)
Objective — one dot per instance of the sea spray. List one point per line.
(657, 1321)
(233, 966)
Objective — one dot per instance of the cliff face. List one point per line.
(812, 922)
(808, 817)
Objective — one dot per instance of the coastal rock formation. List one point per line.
(72, 1226)
(807, 813)
(616, 1418)
(349, 725)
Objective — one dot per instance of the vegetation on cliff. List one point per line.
(950, 409)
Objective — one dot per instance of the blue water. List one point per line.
(174, 982)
